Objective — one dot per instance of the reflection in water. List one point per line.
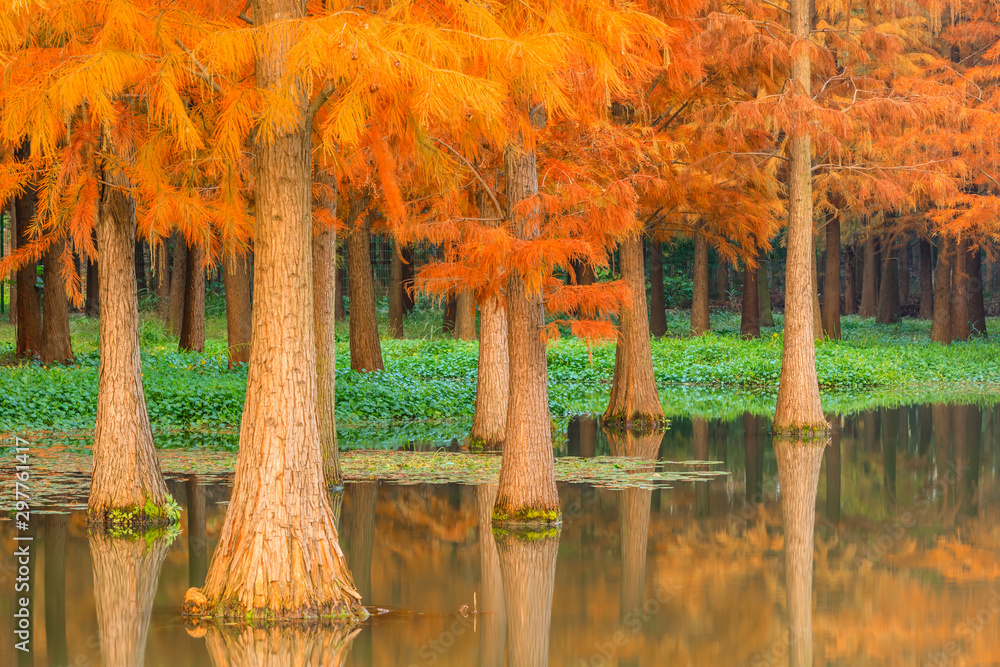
(832, 454)
(699, 438)
(968, 441)
(300, 645)
(492, 619)
(528, 570)
(197, 535)
(359, 534)
(55, 587)
(753, 456)
(890, 442)
(582, 436)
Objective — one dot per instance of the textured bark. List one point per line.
(527, 474)
(142, 285)
(528, 570)
(55, 588)
(126, 472)
(340, 312)
(396, 294)
(465, 316)
(850, 282)
(926, 282)
(492, 378)
(584, 273)
(657, 299)
(817, 314)
(977, 304)
(888, 300)
(29, 312)
(960, 329)
(324, 257)
(197, 533)
(278, 548)
(750, 311)
(798, 405)
(764, 294)
(178, 284)
(941, 322)
(359, 533)
(831, 279)
(634, 398)
(491, 603)
(366, 350)
(798, 472)
(92, 305)
(239, 308)
(869, 297)
(193, 323)
(305, 645)
(699, 296)
(161, 262)
(126, 574)
(56, 345)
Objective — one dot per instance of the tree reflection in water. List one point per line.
(528, 570)
(492, 620)
(295, 645)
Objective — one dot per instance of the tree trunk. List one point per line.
(977, 304)
(492, 378)
(193, 323)
(584, 272)
(941, 322)
(527, 488)
(178, 284)
(926, 282)
(764, 294)
(161, 258)
(142, 285)
(449, 315)
(904, 273)
(239, 308)
(831, 280)
(126, 477)
(409, 301)
(960, 329)
(699, 296)
(491, 602)
(324, 257)
(56, 345)
(528, 570)
(798, 405)
(366, 350)
(750, 312)
(29, 312)
(814, 287)
(657, 299)
(888, 299)
(869, 297)
(278, 548)
(722, 281)
(634, 401)
(850, 282)
(396, 294)
(465, 316)
(339, 311)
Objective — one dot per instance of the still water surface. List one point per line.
(881, 548)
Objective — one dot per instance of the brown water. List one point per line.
(904, 543)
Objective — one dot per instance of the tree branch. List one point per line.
(243, 13)
(475, 172)
(204, 73)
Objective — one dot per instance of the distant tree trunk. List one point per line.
(12, 276)
(831, 281)
(409, 301)
(977, 304)
(722, 280)
(492, 378)
(750, 312)
(764, 294)
(142, 285)
(193, 323)
(239, 316)
(904, 273)
(527, 487)
(634, 399)
(816, 312)
(869, 297)
(178, 284)
(161, 255)
(657, 299)
(56, 345)
(366, 350)
(528, 570)
(324, 258)
(941, 322)
(449, 314)
(888, 300)
(29, 313)
(465, 316)
(699, 296)
(926, 282)
(396, 293)
(92, 305)
(850, 282)
(960, 329)
(339, 311)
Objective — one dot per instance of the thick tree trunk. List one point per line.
(904, 273)
(492, 378)
(764, 294)
(239, 308)
(528, 570)
(366, 350)
(278, 549)
(657, 299)
(634, 401)
(491, 603)
(699, 296)
(465, 316)
(750, 312)
(926, 282)
(798, 405)
(850, 282)
(193, 323)
(56, 345)
(977, 304)
(831, 280)
(178, 284)
(869, 297)
(126, 473)
(960, 329)
(324, 257)
(29, 312)
(527, 489)
(161, 259)
(888, 299)
(941, 322)
(396, 294)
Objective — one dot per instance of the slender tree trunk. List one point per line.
(491, 602)
(888, 300)
(339, 311)
(798, 405)
(657, 299)
(449, 315)
(831, 281)
(409, 302)
(465, 316)
(161, 258)
(904, 273)
(193, 322)
(764, 294)
(814, 287)
(750, 312)
(960, 329)
(92, 305)
(492, 378)
(722, 280)
(869, 297)
(850, 281)
(366, 350)
(142, 285)
(324, 257)
(528, 570)
(977, 304)
(126, 473)
(699, 296)
(527, 489)
(396, 294)
(178, 284)
(926, 282)
(239, 308)
(634, 400)
(12, 276)
(29, 312)
(278, 548)
(941, 322)
(56, 345)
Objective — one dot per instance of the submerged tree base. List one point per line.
(526, 517)
(128, 519)
(199, 610)
(636, 423)
(484, 444)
